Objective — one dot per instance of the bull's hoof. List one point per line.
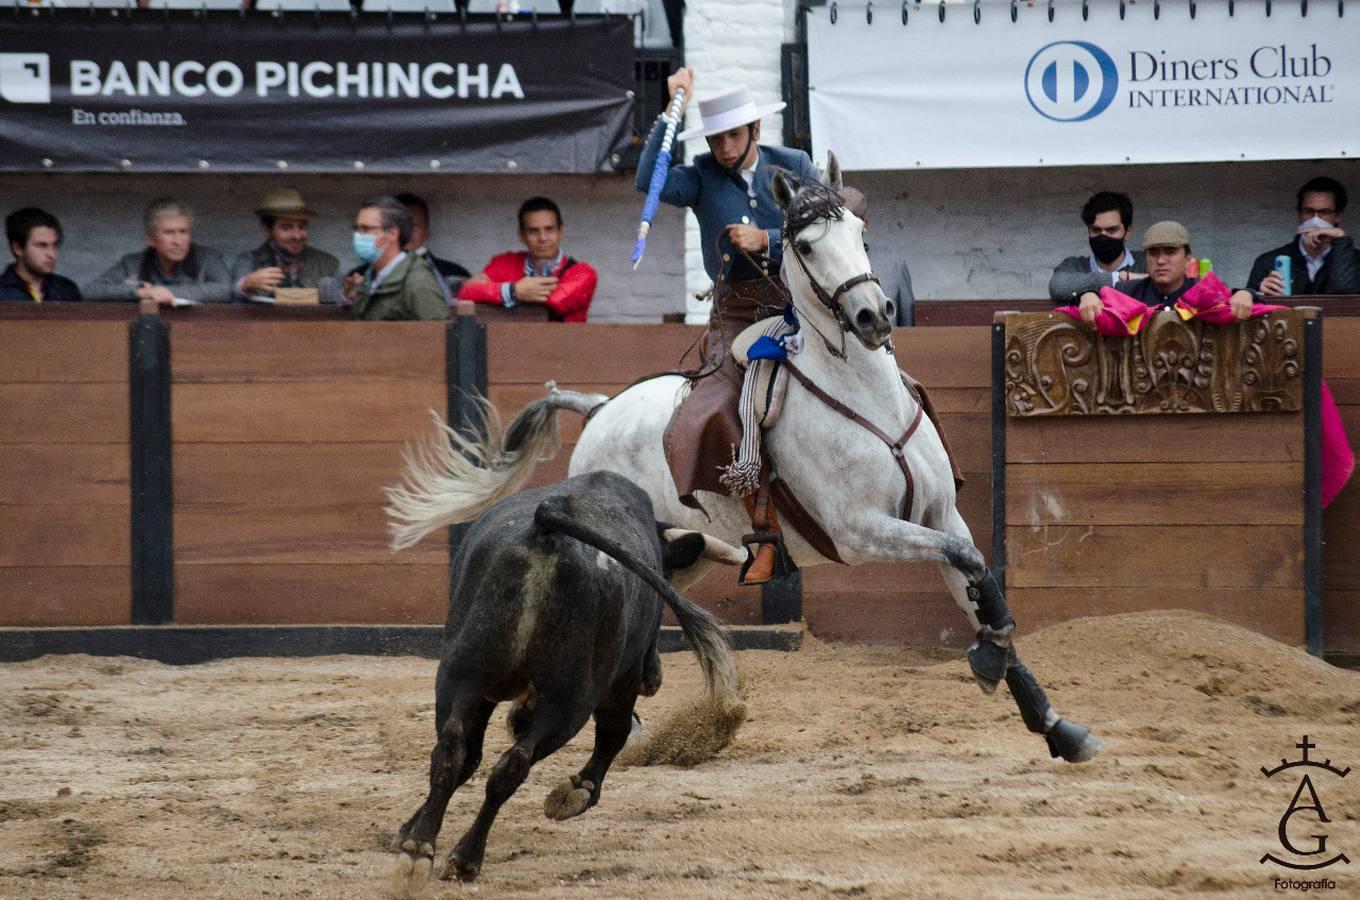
(413, 864)
(988, 660)
(464, 870)
(413, 850)
(569, 799)
(1074, 743)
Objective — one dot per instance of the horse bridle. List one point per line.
(830, 300)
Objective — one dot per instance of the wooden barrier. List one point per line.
(64, 499)
(1161, 471)
(286, 424)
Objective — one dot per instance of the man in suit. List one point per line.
(740, 230)
(1324, 259)
(893, 275)
(450, 275)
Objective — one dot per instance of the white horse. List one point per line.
(844, 475)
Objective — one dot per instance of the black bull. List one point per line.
(556, 604)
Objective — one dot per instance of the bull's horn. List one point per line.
(714, 549)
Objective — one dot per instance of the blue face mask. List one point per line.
(366, 246)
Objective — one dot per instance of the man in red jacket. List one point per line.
(543, 275)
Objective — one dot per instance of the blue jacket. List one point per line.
(718, 200)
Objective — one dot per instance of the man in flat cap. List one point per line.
(284, 260)
(1168, 253)
(729, 189)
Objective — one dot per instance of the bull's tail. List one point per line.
(455, 478)
(707, 637)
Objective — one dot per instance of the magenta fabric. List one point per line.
(1338, 461)
(1208, 300)
(1122, 315)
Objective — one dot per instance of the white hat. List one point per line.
(728, 110)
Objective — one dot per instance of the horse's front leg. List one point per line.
(992, 655)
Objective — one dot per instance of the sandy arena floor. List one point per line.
(861, 772)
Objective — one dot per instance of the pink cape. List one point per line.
(1122, 315)
(1208, 300)
(1338, 462)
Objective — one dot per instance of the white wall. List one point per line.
(728, 43)
(473, 219)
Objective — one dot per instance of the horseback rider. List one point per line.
(740, 229)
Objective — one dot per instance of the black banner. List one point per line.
(154, 93)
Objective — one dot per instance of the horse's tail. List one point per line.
(707, 638)
(455, 478)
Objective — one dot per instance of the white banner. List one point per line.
(1153, 86)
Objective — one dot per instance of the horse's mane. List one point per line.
(813, 202)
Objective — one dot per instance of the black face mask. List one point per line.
(1106, 249)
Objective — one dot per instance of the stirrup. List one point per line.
(784, 565)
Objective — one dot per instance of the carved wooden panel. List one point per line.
(1055, 365)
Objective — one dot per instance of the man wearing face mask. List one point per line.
(1323, 259)
(1168, 252)
(396, 286)
(1109, 218)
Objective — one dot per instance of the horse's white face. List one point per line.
(833, 253)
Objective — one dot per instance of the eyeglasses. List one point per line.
(369, 229)
(1322, 211)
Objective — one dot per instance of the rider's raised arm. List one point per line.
(682, 182)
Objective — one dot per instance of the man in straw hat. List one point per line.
(284, 260)
(740, 229)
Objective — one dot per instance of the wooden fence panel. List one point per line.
(65, 506)
(1112, 513)
(285, 434)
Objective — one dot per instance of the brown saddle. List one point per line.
(705, 427)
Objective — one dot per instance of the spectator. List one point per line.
(1109, 220)
(543, 275)
(1324, 258)
(171, 266)
(451, 275)
(284, 259)
(35, 240)
(1168, 253)
(396, 285)
(893, 275)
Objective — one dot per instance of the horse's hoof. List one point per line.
(568, 799)
(1074, 743)
(988, 660)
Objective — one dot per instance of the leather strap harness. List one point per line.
(896, 446)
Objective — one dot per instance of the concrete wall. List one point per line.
(473, 218)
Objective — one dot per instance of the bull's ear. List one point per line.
(680, 548)
(833, 172)
(782, 189)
